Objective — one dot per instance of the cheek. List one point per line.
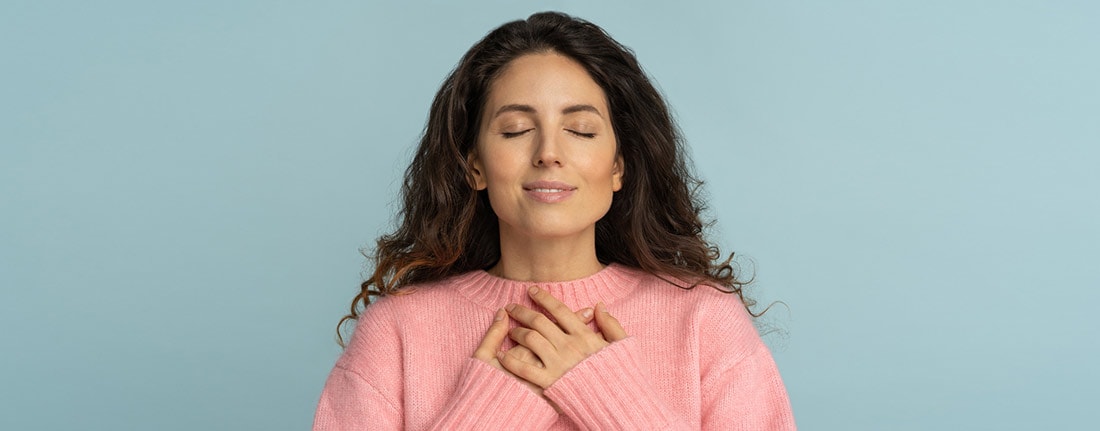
(604, 168)
(502, 171)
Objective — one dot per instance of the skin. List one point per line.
(546, 350)
(545, 119)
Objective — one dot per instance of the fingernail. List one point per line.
(510, 307)
(600, 306)
(586, 313)
(533, 290)
(499, 315)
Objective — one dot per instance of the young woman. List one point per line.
(550, 270)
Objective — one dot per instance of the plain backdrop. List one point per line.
(185, 187)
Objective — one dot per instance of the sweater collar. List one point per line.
(609, 284)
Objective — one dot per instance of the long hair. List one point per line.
(447, 227)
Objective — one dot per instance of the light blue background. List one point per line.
(184, 187)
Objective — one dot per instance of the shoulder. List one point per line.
(411, 300)
(387, 318)
(716, 301)
(712, 314)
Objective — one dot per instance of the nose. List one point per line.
(547, 150)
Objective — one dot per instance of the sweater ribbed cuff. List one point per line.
(488, 398)
(609, 390)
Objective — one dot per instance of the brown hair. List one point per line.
(446, 227)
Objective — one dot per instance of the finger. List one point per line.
(537, 321)
(565, 317)
(533, 340)
(609, 326)
(531, 373)
(585, 314)
(524, 354)
(494, 337)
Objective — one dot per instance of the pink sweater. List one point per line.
(693, 360)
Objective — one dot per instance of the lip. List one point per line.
(548, 191)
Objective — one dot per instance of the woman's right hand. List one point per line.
(489, 349)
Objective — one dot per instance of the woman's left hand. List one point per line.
(559, 346)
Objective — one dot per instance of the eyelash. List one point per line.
(510, 135)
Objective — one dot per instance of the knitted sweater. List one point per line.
(692, 360)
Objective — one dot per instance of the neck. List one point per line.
(524, 258)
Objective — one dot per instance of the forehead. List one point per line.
(545, 81)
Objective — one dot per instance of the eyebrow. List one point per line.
(531, 110)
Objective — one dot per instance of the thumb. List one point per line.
(494, 338)
(609, 326)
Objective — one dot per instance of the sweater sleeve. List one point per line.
(365, 390)
(747, 396)
(608, 391)
(487, 398)
(740, 387)
(740, 383)
(349, 402)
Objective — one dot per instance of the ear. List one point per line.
(617, 174)
(476, 170)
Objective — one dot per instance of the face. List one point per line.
(546, 151)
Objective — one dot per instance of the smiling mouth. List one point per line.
(549, 192)
(543, 186)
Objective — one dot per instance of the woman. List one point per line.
(543, 275)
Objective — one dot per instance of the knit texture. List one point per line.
(692, 360)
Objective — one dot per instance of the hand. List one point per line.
(489, 349)
(559, 346)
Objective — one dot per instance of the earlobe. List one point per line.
(617, 175)
(476, 177)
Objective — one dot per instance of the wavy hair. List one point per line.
(446, 227)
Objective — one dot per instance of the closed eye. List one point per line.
(583, 135)
(510, 135)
